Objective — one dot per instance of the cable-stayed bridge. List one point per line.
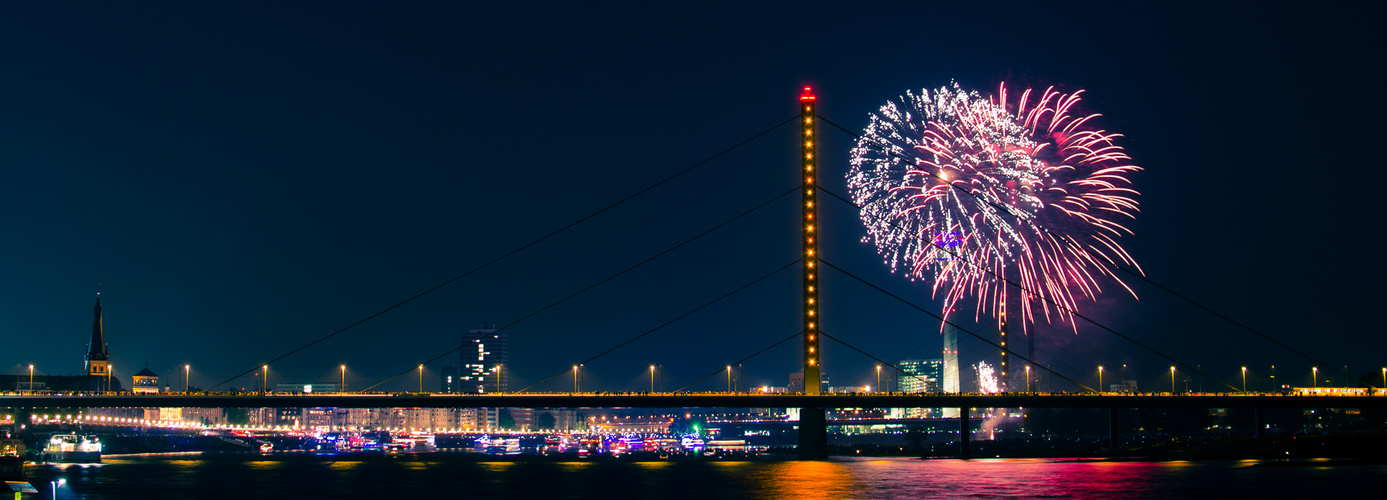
(810, 264)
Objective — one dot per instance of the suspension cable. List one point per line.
(512, 252)
(1066, 240)
(1013, 353)
(610, 277)
(670, 322)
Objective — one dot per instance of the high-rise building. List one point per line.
(950, 359)
(950, 366)
(483, 361)
(920, 375)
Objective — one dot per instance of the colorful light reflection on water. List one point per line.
(444, 476)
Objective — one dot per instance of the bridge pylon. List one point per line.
(813, 425)
(810, 225)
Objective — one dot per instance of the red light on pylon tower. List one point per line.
(811, 283)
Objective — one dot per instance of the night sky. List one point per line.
(244, 179)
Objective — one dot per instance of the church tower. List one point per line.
(97, 358)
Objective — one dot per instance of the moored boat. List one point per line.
(11, 457)
(74, 448)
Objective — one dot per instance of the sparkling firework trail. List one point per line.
(956, 188)
(987, 379)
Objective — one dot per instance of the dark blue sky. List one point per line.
(243, 179)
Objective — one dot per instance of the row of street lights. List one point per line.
(187, 373)
(577, 386)
(1314, 374)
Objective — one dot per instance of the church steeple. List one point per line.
(96, 349)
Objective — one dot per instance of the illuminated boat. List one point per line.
(11, 457)
(417, 441)
(73, 448)
(505, 446)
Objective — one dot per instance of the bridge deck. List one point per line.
(691, 400)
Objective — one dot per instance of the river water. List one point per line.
(284, 476)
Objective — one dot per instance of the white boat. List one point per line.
(416, 442)
(72, 447)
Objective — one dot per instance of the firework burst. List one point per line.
(961, 190)
(987, 378)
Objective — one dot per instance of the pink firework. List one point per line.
(965, 190)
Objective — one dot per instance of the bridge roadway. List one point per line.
(689, 400)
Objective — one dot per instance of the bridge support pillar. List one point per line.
(813, 434)
(965, 434)
(1261, 422)
(1114, 434)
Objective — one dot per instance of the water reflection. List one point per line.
(442, 476)
(814, 480)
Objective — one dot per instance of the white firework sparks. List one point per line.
(987, 379)
(961, 189)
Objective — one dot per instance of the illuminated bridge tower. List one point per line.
(1002, 377)
(811, 282)
(813, 425)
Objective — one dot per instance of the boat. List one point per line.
(73, 448)
(416, 442)
(11, 457)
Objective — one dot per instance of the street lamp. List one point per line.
(1172, 380)
(265, 369)
(343, 387)
(187, 375)
(500, 381)
(1100, 379)
(421, 379)
(1315, 373)
(1028, 378)
(729, 378)
(1244, 379)
(575, 378)
(109, 369)
(31, 378)
(878, 378)
(652, 378)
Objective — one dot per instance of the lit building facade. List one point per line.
(145, 382)
(483, 361)
(920, 375)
